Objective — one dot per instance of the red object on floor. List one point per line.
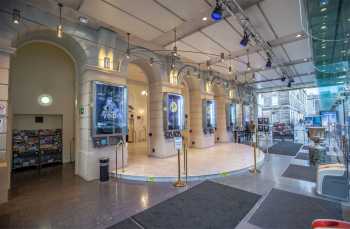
(330, 223)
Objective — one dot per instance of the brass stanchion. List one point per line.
(179, 183)
(255, 169)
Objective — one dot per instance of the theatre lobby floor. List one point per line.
(214, 161)
(59, 199)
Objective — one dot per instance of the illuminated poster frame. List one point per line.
(110, 109)
(173, 112)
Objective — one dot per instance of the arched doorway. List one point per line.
(42, 107)
(138, 113)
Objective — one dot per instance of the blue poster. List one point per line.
(175, 111)
(110, 109)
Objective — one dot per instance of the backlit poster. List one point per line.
(110, 109)
(175, 111)
(210, 114)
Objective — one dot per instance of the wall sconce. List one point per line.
(173, 76)
(208, 86)
(230, 94)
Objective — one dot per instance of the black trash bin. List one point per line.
(104, 169)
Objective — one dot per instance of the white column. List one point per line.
(5, 125)
(88, 156)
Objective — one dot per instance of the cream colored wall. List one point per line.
(27, 122)
(139, 103)
(222, 133)
(41, 68)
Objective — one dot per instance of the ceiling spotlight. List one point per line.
(230, 69)
(305, 59)
(175, 51)
(16, 16)
(151, 61)
(245, 39)
(283, 78)
(268, 63)
(208, 65)
(323, 9)
(216, 15)
(299, 35)
(204, 19)
(60, 26)
(289, 83)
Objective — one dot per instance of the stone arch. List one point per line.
(67, 43)
(77, 54)
(154, 72)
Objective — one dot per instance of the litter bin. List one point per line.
(104, 169)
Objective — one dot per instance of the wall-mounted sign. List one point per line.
(110, 109)
(178, 143)
(3, 128)
(3, 108)
(173, 114)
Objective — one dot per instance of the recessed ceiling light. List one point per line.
(299, 35)
(343, 51)
(83, 20)
(323, 46)
(204, 18)
(323, 9)
(305, 59)
(323, 55)
(323, 27)
(341, 82)
(341, 77)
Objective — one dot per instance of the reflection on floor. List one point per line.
(62, 200)
(202, 163)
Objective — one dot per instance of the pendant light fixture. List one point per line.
(128, 48)
(16, 16)
(60, 26)
(175, 47)
(248, 63)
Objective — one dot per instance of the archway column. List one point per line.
(88, 156)
(160, 146)
(198, 138)
(222, 133)
(5, 126)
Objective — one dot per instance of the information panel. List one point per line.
(109, 110)
(209, 116)
(231, 116)
(173, 115)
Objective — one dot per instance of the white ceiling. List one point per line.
(149, 19)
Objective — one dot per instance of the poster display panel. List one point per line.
(109, 110)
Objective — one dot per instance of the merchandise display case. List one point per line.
(35, 148)
(209, 116)
(109, 115)
(173, 108)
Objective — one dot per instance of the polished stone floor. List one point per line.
(212, 161)
(58, 199)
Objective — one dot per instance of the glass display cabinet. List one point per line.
(109, 113)
(173, 107)
(209, 116)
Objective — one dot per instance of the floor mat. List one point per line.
(302, 156)
(126, 224)
(307, 173)
(207, 205)
(288, 210)
(285, 148)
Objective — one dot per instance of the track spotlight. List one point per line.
(216, 15)
(245, 39)
(248, 67)
(289, 83)
(16, 16)
(151, 61)
(230, 69)
(283, 78)
(60, 26)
